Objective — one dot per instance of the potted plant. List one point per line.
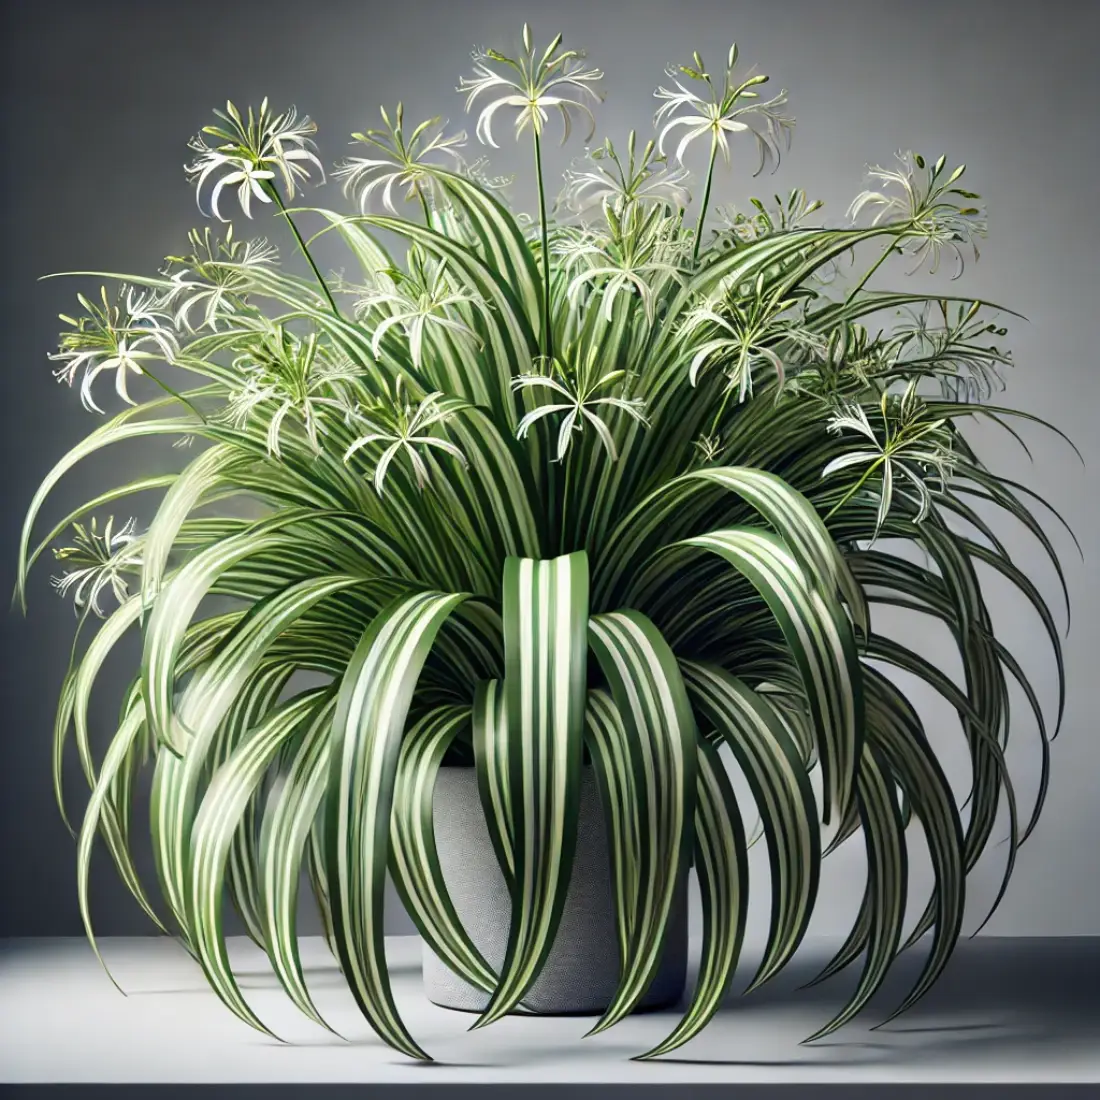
(566, 515)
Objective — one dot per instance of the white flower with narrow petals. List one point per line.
(638, 256)
(119, 337)
(606, 177)
(405, 430)
(252, 152)
(97, 561)
(416, 306)
(532, 84)
(913, 444)
(214, 279)
(582, 394)
(405, 162)
(941, 216)
(285, 374)
(731, 109)
(765, 221)
(742, 336)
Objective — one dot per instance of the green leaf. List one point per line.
(205, 702)
(772, 766)
(116, 760)
(177, 604)
(371, 710)
(820, 640)
(545, 654)
(894, 728)
(652, 702)
(287, 823)
(203, 474)
(414, 860)
(887, 882)
(791, 515)
(605, 737)
(721, 860)
(219, 817)
(114, 431)
(491, 759)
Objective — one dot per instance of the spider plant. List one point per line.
(614, 488)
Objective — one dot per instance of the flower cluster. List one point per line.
(123, 336)
(250, 153)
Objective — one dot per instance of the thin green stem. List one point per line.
(721, 410)
(855, 488)
(174, 393)
(424, 206)
(563, 544)
(873, 268)
(546, 339)
(273, 191)
(706, 201)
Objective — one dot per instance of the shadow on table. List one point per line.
(1024, 996)
(1041, 996)
(326, 976)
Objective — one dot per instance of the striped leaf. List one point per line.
(207, 699)
(414, 860)
(605, 736)
(174, 610)
(772, 765)
(893, 727)
(820, 641)
(887, 882)
(545, 659)
(790, 514)
(284, 839)
(721, 861)
(500, 239)
(493, 763)
(660, 737)
(371, 710)
(234, 785)
(203, 474)
(117, 430)
(116, 759)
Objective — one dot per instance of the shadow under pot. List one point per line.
(581, 973)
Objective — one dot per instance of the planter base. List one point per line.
(581, 973)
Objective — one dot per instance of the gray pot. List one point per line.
(581, 973)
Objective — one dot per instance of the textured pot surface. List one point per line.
(581, 973)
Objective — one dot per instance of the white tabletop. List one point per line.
(1022, 1010)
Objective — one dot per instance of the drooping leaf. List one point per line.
(545, 654)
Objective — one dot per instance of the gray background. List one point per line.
(100, 97)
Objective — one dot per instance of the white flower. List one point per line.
(405, 430)
(931, 206)
(422, 303)
(214, 278)
(578, 389)
(404, 162)
(119, 337)
(100, 558)
(956, 352)
(539, 83)
(913, 445)
(643, 180)
(252, 152)
(718, 113)
(763, 222)
(285, 374)
(641, 248)
(741, 336)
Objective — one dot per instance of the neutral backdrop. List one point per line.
(100, 96)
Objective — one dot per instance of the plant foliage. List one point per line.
(610, 485)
